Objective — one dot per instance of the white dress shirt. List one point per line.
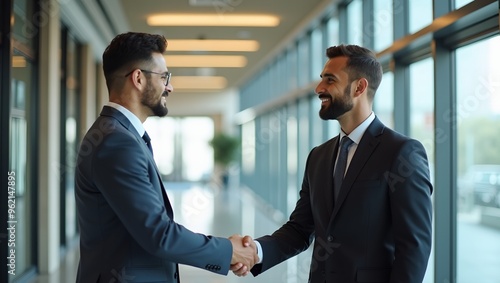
(130, 116)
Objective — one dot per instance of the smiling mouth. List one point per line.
(325, 99)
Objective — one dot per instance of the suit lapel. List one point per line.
(367, 145)
(332, 155)
(112, 112)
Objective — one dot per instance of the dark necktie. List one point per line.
(147, 139)
(338, 175)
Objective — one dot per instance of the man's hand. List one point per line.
(238, 268)
(244, 254)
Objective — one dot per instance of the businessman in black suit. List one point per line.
(371, 221)
(127, 227)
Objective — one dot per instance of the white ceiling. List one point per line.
(110, 17)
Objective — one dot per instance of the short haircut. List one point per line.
(361, 63)
(127, 50)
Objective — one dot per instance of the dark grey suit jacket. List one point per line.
(127, 230)
(379, 230)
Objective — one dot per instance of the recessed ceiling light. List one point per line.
(18, 62)
(198, 82)
(219, 61)
(246, 20)
(212, 45)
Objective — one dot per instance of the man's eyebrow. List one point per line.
(328, 75)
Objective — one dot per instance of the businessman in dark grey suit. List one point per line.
(127, 227)
(371, 219)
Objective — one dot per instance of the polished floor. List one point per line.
(223, 212)
(219, 212)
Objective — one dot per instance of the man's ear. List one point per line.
(138, 80)
(361, 86)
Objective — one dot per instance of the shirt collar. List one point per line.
(134, 120)
(357, 133)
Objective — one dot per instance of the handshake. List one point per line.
(244, 254)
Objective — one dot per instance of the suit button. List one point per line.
(329, 238)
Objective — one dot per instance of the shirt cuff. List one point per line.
(260, 252)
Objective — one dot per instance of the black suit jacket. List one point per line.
(379, 230)
(127, 230)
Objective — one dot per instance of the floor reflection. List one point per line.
(223, 212)
(219, 212)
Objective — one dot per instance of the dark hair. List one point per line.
(128, 49)
(361, 63)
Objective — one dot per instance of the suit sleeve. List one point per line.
(293, 237)
(120, 171)
(411, 208)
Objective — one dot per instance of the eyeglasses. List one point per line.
(164, 76)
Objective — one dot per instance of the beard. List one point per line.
(337, 107)
(149, 99)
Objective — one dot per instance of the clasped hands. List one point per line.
(244, 254)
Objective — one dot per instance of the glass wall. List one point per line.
(422, 121)
(331, 36)
(420, 14)
(422, 106)
(383, 22)
(21, 160)
(383, 104)
(22, 141)
(181, 147)
(461, 3)
(70, 125)
(317, 55)
(478, 161)
(197, 155)
(441, 88)
(355, 22)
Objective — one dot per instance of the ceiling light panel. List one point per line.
(18, 62)
(214, 61)
(198, 82)
(212, 45)
(246, 20)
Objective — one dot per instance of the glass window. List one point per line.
(316, 123)
(304, 61)
(248, 148)
(420, 14)
(332, 32)
(303, 135)
(317, 54)
(291, 66)
(383, 24)
(422, 105)
(273, 132)
(478, 161)
(292, 158)
(182, 153)
(422, 122)
(70, 101)
(22, 139)
(262, 156)
(197, 154)
(274, 80)
(163, 152)
(24, 29)
(21, 160)
(460, 3)
(355, 22)
(383, 104)
(282, 71)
